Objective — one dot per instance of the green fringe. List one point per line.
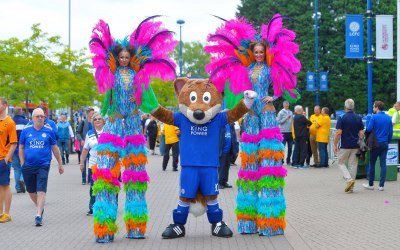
(138, 186)
(281, 215)
(112, 226)
(149, 100)
(108, 109)
(271, 182)
(231, 100)
(289, 98)
(136, 218)
(247, 185)
(251, 211)
(100, 185)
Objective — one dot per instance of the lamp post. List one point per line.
(316, 52)
(180, 22)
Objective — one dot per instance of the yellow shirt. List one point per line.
(314, 119)
(170, 132)
(324, 121)
(8, 136)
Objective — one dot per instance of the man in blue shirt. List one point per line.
(349, 129)
(35, 146)
(64, 133)
(381, 123)
(20, 122)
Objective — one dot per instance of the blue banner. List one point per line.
(310, 81)
(354, 36)
(323, 81)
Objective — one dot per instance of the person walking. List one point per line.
(20, 122)
(301, 133)
(285, 119)
(171, 142)
(227, 151)
(313, 135)
(83, 127)
(8, 143)
(89, 148)
(65, 133)
(152, 131)
(322, 138)
(349, 130)
(36, 144)
(382, 125)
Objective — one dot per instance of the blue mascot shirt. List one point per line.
(199, 143)
(37, 145)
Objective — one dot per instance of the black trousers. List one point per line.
(223, 170)
(175, 155)
(300, 151)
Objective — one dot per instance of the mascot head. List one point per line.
(199, 100)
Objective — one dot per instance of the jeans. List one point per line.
(63, 146)
(300, 150)
(288, 138)
(92, 198)
(381, 152)
(89, 176)
(17, 171)
(175, 155)
(323, 153)
(223, 170)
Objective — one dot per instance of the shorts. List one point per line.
(203, 179)
(4, 173)
(36, 178)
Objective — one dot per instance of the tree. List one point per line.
(347, 78)
(194, 59)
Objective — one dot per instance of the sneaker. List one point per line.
(22, 185)
(89, 213)
(367, 186)
(38, 221)
(227, 185)
(174, 231)
(381, 188)
(349, 185)
(83, 182)
(220, 229)
(5, 218)
(175, 169)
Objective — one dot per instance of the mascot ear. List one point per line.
(179, 83)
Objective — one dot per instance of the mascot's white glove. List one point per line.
(249, 97)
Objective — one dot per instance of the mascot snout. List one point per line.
(199, 114)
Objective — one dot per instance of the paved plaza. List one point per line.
(320, 215)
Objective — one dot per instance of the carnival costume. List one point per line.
(260, 204)
(121, 144)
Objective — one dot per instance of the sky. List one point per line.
(122, 16)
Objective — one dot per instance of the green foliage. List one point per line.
(164, 92)
(194, 59)
(40, 68)
(347, 77)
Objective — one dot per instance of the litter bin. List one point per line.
(392, 160)
(362, 167)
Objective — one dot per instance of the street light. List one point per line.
(316, 15)
(180, 22)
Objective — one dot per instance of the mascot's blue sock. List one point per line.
(214, 213)
(181, 213)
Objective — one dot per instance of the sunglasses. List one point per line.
(97, 119)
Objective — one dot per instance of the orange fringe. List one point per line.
(273, 223)
(268, 153)
(130, 225)
(102, 230)
(136, 160)
(112, 62)
(108, 154)
(269, 57)
(246, 159)
(245, 217)
(115, 171)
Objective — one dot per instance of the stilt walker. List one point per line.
(244, 60)
(123, 70)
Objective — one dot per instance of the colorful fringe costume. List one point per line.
(260, 204)
(121, 145)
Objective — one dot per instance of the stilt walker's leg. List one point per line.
(271, 206)
(135, 179)
(106, 184)
(246, 209)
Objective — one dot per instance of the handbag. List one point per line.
(77, 145)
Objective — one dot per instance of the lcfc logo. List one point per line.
(354, 26)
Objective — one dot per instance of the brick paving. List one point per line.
(319, 215)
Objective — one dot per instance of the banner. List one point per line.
(384, 37)
(323, 81)
(310, 81)
(392, 154)
(354, 36)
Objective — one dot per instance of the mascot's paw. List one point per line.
(249, 97)
(220, 229)
(197, 209)
(174, 231)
